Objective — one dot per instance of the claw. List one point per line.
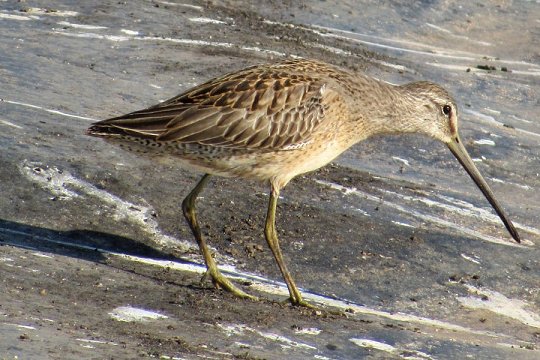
(221, 282)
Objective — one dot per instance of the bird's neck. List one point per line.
(382, 108)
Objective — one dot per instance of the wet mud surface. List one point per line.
(393, 234)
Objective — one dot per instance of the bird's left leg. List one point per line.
(188, 207)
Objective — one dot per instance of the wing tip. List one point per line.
(100, 130)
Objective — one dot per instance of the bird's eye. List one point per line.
(446, 109)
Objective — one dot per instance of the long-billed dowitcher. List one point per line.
(274, 122)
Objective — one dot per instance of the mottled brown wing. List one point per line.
(255, 108)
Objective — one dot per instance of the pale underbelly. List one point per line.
(278, 166)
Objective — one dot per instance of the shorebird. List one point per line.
(273, 122)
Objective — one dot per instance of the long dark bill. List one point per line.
(459, 151)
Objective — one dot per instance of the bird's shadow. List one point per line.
(82, 244)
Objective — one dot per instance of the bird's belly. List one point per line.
(278, 166)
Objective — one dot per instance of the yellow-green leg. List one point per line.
(188, 207)
(273, 243)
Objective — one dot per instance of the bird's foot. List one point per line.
(303, 303)
(300, 302)
(221, 282)
(318, 310)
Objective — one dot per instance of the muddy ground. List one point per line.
(86, 229)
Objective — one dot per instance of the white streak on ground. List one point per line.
(402, 224)
(365, 213)
(52, 111)
(527, 132)
(6, 16)
(191, 266)
(331, 49)
(426, 217)
(533, 69)
(190, 6)
(524, 187)
(432, 53)
(130, 32)
(493, 111)
(5, 122)
(453, 67)
(491, 120)
(439, 28)
(393, 66)
(47, 12)
(461, 207)
(500, 304)
(239, 329)
(485, 142)
(167, 264)
(308, 331)
(92, 341)
(242, 345)
(266, 51)
(406, 162)
(117, 38)
(51, 179)
(271, 22)
(356, 309)
(378, 345)
(67, 187)
(203, 20)
(81, 26)
(462, 37)
(520, 119)
(132, 314)
(374, 37)
(26, 327)
(528, 73)
(366, 343)
(286, 342)
(431, 50)
(470, 258)
(521, 63)
(42, 255)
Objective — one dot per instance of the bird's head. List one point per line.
(434, 113)
(431, 110)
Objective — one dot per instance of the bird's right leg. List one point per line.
(273, 242)
(188, 207)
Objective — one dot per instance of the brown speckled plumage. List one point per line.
(273, 122)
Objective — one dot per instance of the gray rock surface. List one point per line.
(394, 233)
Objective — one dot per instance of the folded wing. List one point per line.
(260, 107)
